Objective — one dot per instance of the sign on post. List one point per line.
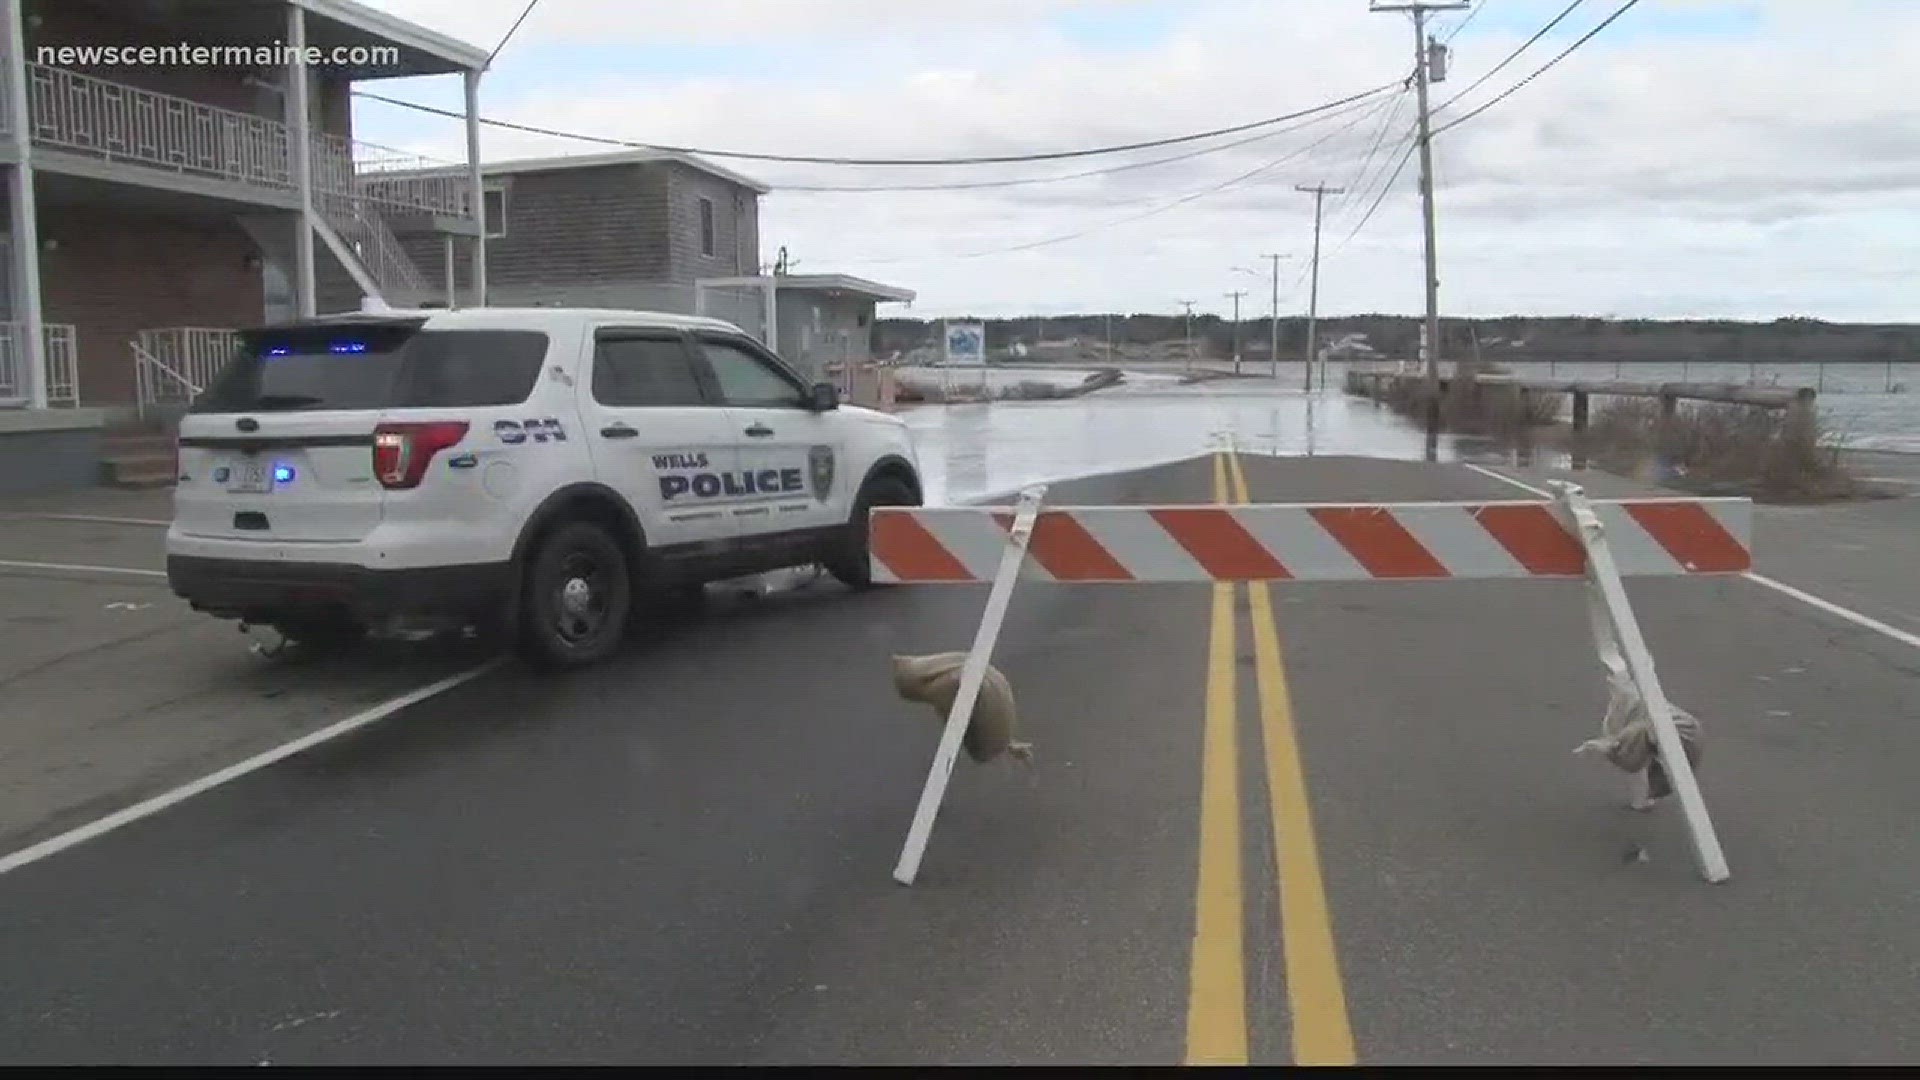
(966, 344)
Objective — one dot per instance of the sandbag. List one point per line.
(935, 680)
(1627, 739)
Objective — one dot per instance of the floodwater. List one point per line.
(967, 451)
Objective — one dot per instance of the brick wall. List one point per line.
(113, 274)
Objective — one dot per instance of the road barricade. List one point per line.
(1572, 537)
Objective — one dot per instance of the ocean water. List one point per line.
(972, 450)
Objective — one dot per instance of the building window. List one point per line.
(495, 204)
(706, 227)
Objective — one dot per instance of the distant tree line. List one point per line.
(1514, 337)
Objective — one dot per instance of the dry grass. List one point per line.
(1771, 454)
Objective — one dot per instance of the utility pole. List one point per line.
(1108, 318)
(1424, 53)
(1236, 295)
(1273, 320)
(1319, 193)
(1188, 304)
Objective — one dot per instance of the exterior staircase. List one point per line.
(139, 455)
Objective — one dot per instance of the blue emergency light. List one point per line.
(282, 474)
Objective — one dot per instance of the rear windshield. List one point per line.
(346, 366)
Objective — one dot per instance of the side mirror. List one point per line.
(824, 397)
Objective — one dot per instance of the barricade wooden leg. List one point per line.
(971, 676)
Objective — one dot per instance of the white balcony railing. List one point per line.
(63, 362)
(173, 364)
(392, 180)
(116, 122)
(110, 120)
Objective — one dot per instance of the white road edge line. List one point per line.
(1828, 606)
(17, 565)
(1505, 479)
(97, 519)
(1832, 608)
(127, 816)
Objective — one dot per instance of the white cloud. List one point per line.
(1732, 173)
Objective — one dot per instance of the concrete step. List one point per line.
(141, 469)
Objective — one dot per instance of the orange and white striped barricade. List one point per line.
(1600, 541)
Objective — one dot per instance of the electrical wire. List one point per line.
(1412, 145)
(1462, 24)
(1162, 208)
(805, 159)
(511, 30)
(1379, 138)
(1541, 70)
(976, 185)
(1511, 57)
(1362, 180)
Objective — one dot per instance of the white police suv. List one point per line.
(540, 472)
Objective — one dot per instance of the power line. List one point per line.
(1462, 24)
(1512, 56)
(1379, 137)
(1541, 70)
(511, 30)
(1378, 199)
(803, 159)
(1362, 181)
(976, 185)
(1183, 200)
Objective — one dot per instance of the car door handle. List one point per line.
(618, 431)
(759, 431)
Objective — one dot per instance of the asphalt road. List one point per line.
(684, 856)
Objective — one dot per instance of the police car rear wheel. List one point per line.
(577, 597)
(852, 566)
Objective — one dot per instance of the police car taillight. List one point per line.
(402, 452)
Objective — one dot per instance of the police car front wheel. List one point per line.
(577, 597)
(851, 564)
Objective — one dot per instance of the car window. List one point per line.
(472, 368)
(644, 371)
(747, 380)
(376, 366)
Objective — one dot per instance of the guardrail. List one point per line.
(1799, 400)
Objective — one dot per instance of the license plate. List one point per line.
(250, 478)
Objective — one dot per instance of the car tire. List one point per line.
(576, 596)
(850, 564)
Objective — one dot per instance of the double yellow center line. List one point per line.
(1217, 992)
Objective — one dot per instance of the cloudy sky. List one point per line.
(1698, 158)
